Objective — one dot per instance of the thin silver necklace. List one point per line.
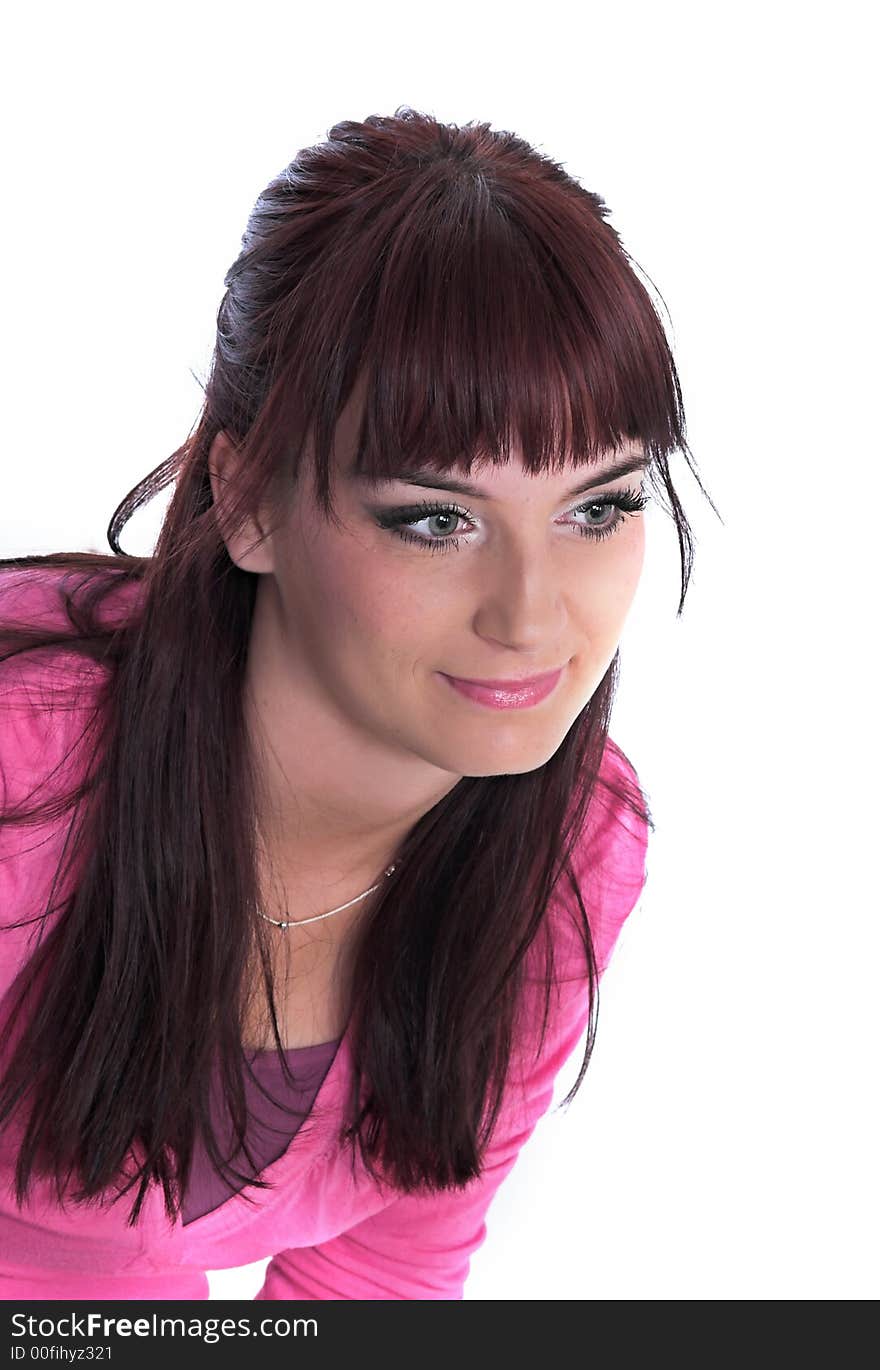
(285, 923)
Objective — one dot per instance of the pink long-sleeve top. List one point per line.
(330, 1232)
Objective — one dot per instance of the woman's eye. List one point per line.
(439, 519)
(603, 517)
(621, 504)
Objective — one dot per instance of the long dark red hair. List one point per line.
(486, 301)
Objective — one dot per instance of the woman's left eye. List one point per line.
(399, 521)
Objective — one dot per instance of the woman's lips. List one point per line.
(501, 696)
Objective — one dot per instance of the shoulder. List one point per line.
(46, 693)
(608, 863)
(50, 699)
(35, 595)
(613, 845)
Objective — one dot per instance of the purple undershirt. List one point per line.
(270, 1128)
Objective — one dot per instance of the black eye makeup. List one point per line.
(400, 521)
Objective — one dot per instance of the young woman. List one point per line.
(314, 843)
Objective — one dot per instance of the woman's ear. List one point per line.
(248, 544)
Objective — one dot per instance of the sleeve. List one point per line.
(419, 1247)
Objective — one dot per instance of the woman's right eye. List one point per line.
(399, 521)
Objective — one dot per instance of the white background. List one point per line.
(724, 1142)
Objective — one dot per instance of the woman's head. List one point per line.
(450, 296)
(416, 298)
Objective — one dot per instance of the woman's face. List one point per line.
(501, 583)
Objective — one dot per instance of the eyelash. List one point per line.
(395, 520)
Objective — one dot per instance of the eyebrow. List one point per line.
(434, 481)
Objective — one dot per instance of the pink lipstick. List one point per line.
(499, 694)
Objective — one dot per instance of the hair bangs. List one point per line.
(493, 329)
